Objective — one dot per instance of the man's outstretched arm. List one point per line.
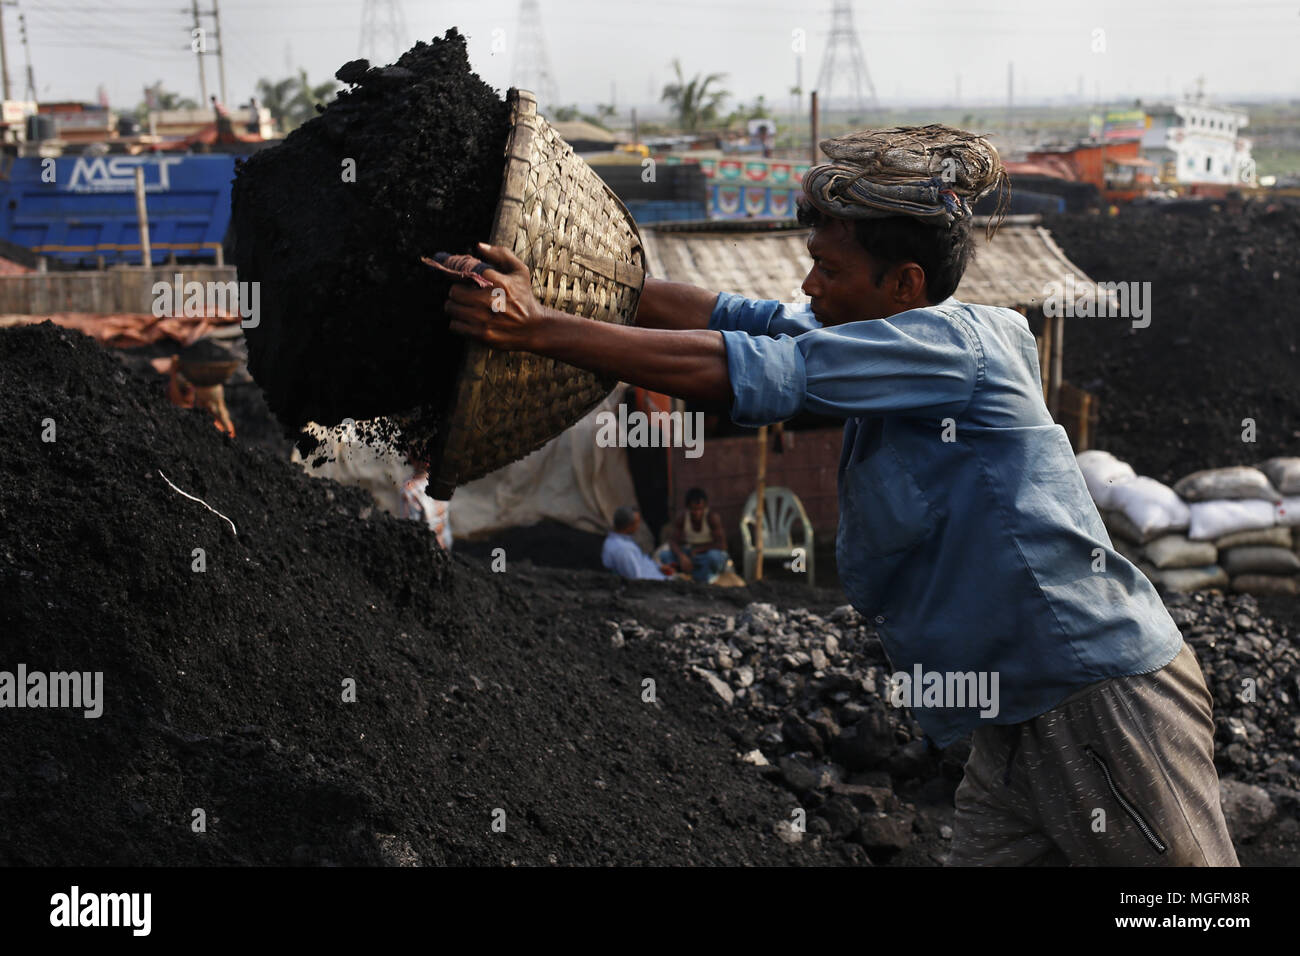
(674, 305)
(686, 362)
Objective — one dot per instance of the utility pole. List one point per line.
(4, 53)
(198, 44)
(1011, 93)
(221, 52)
(796, 101)
(29, 93)
(814, 148)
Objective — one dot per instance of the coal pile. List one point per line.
(809, 696)
(1251, 664)
(225, 669)
(1257, 723)
(1222, 345)
(333, 222)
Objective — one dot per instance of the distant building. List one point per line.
(1196, 143)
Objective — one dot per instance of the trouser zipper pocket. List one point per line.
(1147, 830)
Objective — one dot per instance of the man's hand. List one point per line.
(689, 364)
(505, 317)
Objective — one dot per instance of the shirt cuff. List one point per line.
(735, 313)
(768, 379)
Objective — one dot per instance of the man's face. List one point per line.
(841, 282)
(697, 509)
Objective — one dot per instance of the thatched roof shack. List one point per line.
(767, 261)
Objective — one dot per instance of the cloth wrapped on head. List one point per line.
(934, 173)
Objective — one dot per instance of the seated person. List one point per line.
(622, 555)
(696, 542)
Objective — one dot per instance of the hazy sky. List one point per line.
(914, 51)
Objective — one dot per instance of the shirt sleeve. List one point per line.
(626, 560)
(920, 362)
(735, 313)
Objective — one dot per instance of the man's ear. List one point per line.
(908, 281)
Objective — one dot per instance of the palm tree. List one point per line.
(303, 106)
(563, 114)
(157, 98)
(693, 102)
(278, 98)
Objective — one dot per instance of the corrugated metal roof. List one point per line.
(1012, 271)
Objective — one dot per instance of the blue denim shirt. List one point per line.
(622, 555)
(966, 533)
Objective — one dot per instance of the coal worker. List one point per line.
(622, 555)
(966, 535)
(696, 542)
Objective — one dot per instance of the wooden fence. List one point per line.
(115, 291)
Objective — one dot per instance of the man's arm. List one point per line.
(674, 305)
(674, 536)
(719, 542)
(688, 363)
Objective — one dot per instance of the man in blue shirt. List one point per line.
(622, 555)
(966, 535)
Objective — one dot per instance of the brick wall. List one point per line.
(728, 470)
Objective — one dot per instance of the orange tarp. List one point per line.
(128, 330)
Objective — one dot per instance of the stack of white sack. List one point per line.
(1240, 510)
(1152, 517)
(1147, 522)
(1214, 529)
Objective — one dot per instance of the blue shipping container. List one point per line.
(77, 208)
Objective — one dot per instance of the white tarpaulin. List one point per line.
(571, 479)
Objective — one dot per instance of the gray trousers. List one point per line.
(1121, 773)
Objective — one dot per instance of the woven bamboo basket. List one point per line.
(584, 252)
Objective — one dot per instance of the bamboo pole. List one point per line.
(758, 506)
(142, 213)
(813, 151)
(1045, 356)
(1054, 386)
